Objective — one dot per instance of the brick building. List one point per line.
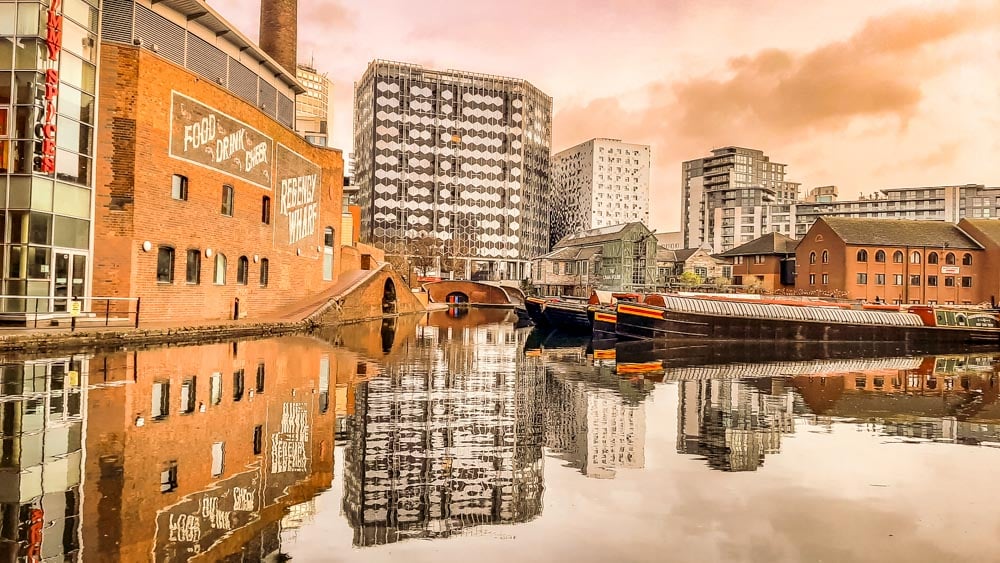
(987, 233)
(207, 203)
(896, 261)
(767, 262)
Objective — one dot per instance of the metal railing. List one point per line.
(120, 310)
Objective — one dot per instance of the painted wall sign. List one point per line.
(199, 521)
(45, 128)
(298, 183)
(289, 451)
(210, 138)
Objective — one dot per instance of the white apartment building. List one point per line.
(933, 203)
(313, 110)
(598, 183)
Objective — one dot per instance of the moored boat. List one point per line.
(534, 307)
(672, 317)
(567, 315)
(604, 315)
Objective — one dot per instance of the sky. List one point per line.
(858, 94)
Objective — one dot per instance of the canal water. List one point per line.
(461, 436)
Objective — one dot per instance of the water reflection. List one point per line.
(437, 427)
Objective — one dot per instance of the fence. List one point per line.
(94, 311)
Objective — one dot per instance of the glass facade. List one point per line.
(48, 78)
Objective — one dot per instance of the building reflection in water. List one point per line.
(42, 405)
(197, 453)
(448, 437)
(594, 419)
(735, 415)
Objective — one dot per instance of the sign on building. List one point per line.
(298, 183)
(207, 137)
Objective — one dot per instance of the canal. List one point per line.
(462, 436)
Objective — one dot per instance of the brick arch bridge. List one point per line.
(472, 293)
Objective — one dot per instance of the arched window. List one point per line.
(880, 256)
(915, 257)
(165, 265)
(826, 257)
(328, 253)
(812, 257)
(265, 210)
(897, 257)
(220, 269)
(242, 270)
(932, 258)
(949, 259)
(967, 260)
(264, 266)
(862, 255)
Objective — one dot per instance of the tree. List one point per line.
(401, 265)
(690, 278)
(426, 253)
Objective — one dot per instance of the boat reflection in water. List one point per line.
(443, 425)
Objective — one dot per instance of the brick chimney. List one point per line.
(279, 31)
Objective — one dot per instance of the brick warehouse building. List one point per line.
(207, 203)
(896, 261)
(159, 161)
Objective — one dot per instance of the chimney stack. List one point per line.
(279, 31)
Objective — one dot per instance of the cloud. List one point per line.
(779, 97)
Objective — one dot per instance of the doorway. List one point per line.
(69, 278)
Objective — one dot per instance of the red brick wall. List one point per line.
(843, 269)
(134, 203)
(768, 273)
(476, 292)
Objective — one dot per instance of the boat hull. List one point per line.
(644, 322)
(535, 309)
(567, 317)
(604, 322)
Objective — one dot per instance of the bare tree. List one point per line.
(426, 253)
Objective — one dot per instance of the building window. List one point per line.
(227, 201)
(914, 257)
(932, 280)
(168, 477)
(193, 266)
(179, 188)
(949, 259)
(738, 261)
(826, 257)
(161, 400)
(863, 279)
(242, 270)
(880, 256)
(238, 385)
(897, 279)
(967, 260)
(265, 210)
(260, 377)
(826, 279)
(258, 439)
(966, 281)
(165, 265)
(218, 458)
(264, 266)
(897, 257)
(216, 388)
(812, 279)
(932, 258)
(758, 259)
(812, 257)
(914, 279)
(188, 395)
(879, 279)
(949, 281)
(220, 269)
(862, 255)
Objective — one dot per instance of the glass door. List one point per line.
(70, 279)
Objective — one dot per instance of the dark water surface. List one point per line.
(463, 438)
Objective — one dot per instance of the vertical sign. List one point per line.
(298, 185)
(45, 129)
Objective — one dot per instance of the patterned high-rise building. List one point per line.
(599, 183)
(459, 156)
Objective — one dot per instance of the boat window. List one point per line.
(960, 319)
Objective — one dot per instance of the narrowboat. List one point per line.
(603, 313)
(535, 307)
(567, 314)
(710, 319)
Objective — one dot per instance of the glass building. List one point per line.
(48, 56)
(458, 156)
